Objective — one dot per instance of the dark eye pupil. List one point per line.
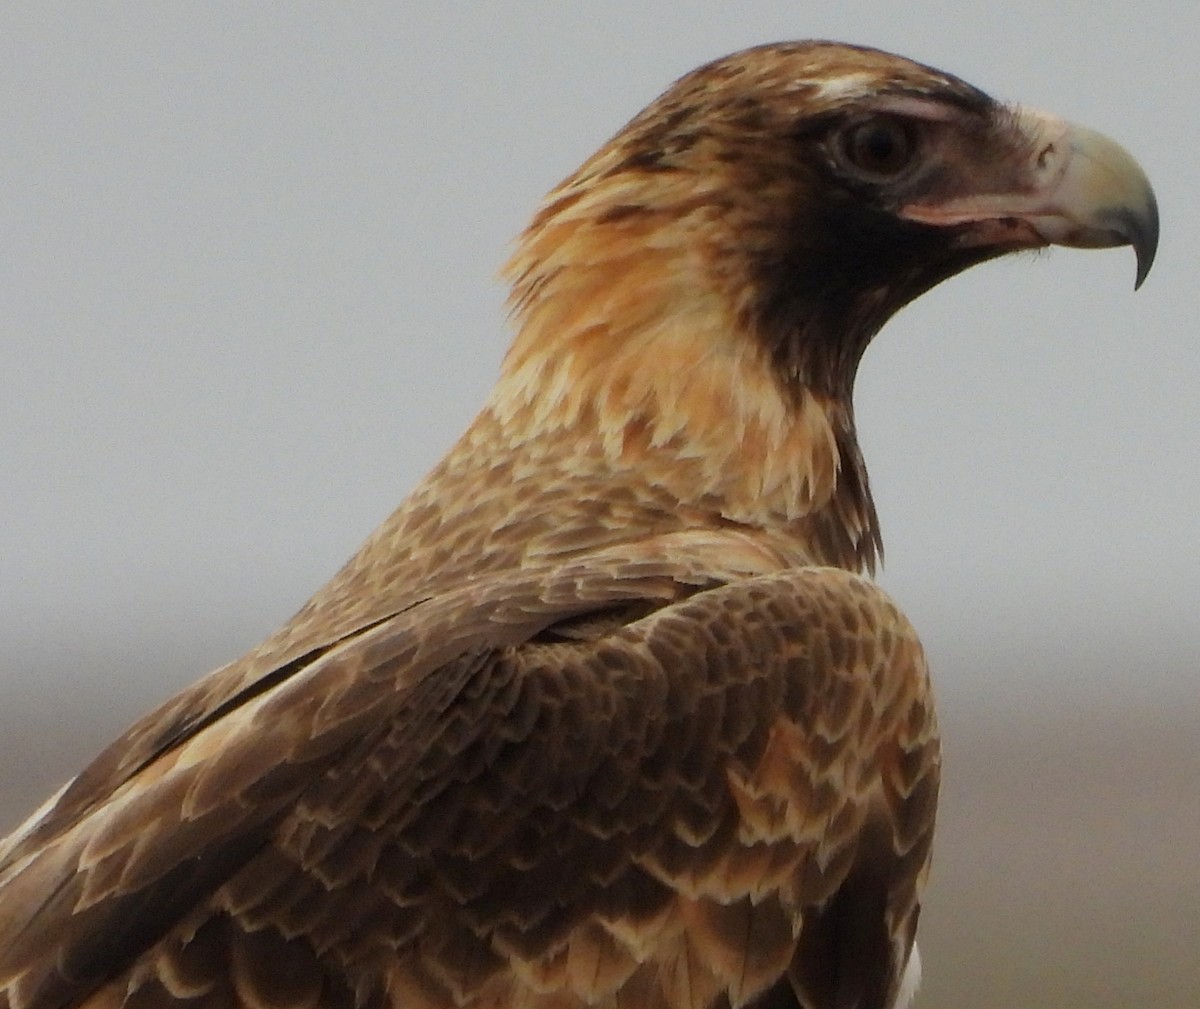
(880, 147)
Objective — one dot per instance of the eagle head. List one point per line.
(700, 292)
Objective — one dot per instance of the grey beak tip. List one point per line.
(1142, 232)
(1143, 271)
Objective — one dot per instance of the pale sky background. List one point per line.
(248, 297)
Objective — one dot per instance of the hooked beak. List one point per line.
(1078, 189)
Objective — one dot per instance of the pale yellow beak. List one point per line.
(1078, 189)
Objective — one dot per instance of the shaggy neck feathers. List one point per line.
(631, 328)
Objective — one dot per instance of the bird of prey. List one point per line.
(610, 712)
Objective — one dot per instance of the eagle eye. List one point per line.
(879, 148)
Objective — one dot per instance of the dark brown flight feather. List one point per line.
(608, 712)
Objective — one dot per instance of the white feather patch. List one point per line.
(911, 980)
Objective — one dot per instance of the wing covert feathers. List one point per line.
(629, 783)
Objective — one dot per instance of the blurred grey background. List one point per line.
(247, 298)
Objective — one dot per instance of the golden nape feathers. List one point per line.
(607, 713)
